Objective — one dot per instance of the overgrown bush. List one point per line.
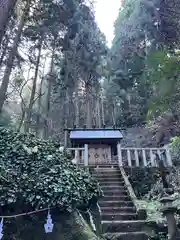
(35, 174)
(175, 150)
(149, 177)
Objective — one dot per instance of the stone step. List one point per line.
(118, 216)
(126, 236)
(115, 192)
(116, 198)
(110, 181)
(123, 226)
(108, 172)
(106, 169)
(112, 187)
(106, 177)
(116, 203)
(114, 210)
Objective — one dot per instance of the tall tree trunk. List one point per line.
(12, 54)
(88, 105)
(40, 100)
(4, 50)
(113, 114)
(98, 113)
(102, 109)
(48, 99)
(66, 105)
(6, 8)
(33, 91)
(77, 110)
(23, 105)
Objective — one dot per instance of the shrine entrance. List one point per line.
(94, 146)
(99, 154)
(103, 147)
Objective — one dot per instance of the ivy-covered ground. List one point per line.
(35, 174)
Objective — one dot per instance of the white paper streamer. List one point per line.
(1, 229)
(48, 226)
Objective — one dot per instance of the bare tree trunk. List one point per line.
(23, 105)
(33, 91)
(5, 80)
(22, 120)
(6, 8)
(48, 99)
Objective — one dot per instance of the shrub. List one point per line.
(36, 174)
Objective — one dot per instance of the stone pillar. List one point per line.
(168, 211)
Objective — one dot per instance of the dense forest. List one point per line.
(53, 57)
(57, 71)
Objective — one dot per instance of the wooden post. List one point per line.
(119, 154)
(65, 138)
(86, 155)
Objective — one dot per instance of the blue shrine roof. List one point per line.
(95, 134)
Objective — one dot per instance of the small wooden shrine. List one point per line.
(101, 144)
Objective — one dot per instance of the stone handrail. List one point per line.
(142, 157)
(80, 155)
(141, 212)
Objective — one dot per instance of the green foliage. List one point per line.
(153, 208)
(175, 150)
(144, 56)
(149, 177)
(34, 173)
(163, 77)
(135, 31)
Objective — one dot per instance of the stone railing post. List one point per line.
(119, 154)
(168, 155)
(86, 155)
(169, 211)
(77, 156)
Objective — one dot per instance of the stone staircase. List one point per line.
(118, 213)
